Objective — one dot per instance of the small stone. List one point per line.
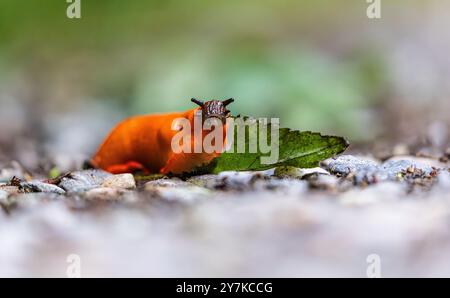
(38, 186)
(345, 164)
(166, 182)
(209, 181)
(240, 181)
(392, 167)
(365, 172)
(104, 194)
(123, 181)
(175, 189)
(362, 171)
(420, 162)
(81, 181)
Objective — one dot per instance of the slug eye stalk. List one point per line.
(198, 102)
(228, 101)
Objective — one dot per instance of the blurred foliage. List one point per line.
(275, 57)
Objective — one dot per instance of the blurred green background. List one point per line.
(317, 65)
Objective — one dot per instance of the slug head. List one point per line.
(214, 108)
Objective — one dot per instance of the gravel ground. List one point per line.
(284, 222)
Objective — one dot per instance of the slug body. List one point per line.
(144, 143)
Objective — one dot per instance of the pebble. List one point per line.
(241, 181)
(208, 181)
(166, 182)
(364, 171)
(104, 194)
(345, 164)
(392, 168)
(421, 162)
(122, 181)
(81, 181)
(38, 186)
(231, 180)
(175, 189)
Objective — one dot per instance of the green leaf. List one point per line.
(302, 149)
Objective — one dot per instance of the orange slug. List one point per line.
(143, 143)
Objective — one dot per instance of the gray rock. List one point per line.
(104, 194)
(421, 162)
(230, 180)
(209, 181)
(81, 181)
(346, 164)
(174, 189)
(392, 168)
(166, 182)
(364, 171)
(122, 181)
(38, 186)
(241, 181)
